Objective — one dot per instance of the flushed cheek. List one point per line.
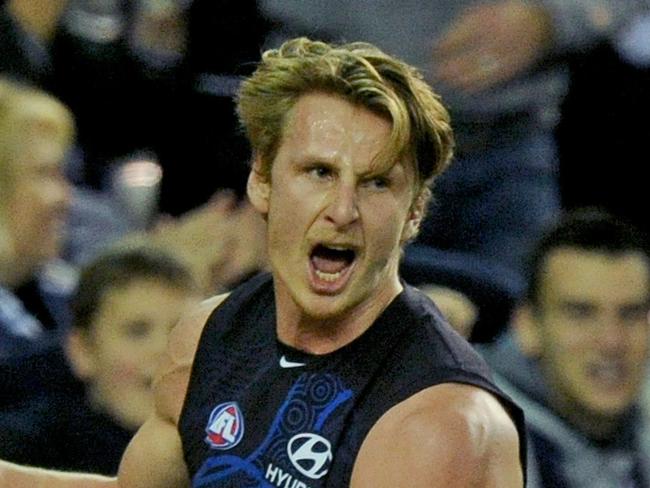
(287, 237)
(128, 397)
(52, 226)
(285, 247)
(382, 243)
(129, 375)
(569, 367)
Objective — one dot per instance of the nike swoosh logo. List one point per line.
(285, 363)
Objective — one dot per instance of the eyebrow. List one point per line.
(384, 170)
(577, 302)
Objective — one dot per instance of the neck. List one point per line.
(13, 270)
(322, 335)
(599, 428)
(325, 334)
(11, 277)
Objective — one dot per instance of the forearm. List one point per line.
(14, 476)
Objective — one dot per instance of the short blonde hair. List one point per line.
(24, 112)
(362, 74)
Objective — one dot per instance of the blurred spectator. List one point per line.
(27, 28)
(577, 356)
(35, 133)
(221, 242)
(147, 91)
(143, 77)
(459, 310)
(120, 77)
(500, 67)
(83, 52)
(126, 303)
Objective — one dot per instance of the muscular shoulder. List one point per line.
(174, 372)
(449, 435)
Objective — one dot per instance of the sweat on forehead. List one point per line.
(315, 121)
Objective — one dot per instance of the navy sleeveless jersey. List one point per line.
(260, 414)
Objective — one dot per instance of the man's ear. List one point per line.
(526, 331)
(258, 188)
(416, 213)
(80, 356)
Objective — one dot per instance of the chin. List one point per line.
(339, 305)
(610, 409)
(324, 308)
(133, 419)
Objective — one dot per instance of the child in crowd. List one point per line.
(127, 301)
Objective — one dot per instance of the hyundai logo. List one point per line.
(310, 454)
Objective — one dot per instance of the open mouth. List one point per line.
(331, 265)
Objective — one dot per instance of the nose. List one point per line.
(159, 341)
(58, 193)
(612, 335)
(64, 192)
(155, 348)
(343, 207)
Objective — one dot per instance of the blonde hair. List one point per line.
(25, 113)
(362, 74)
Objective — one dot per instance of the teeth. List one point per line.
(329, 277)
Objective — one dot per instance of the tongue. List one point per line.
(329, 264)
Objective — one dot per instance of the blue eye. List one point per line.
(320, 172)
(377, 183)
(381, 182)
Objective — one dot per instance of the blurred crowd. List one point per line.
(122, 199)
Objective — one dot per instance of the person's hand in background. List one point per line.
(222, 241)
(460, 311)
(491, 43)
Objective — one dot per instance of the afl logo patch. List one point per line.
(225, 427)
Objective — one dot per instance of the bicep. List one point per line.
(448, 435)
(154, 458)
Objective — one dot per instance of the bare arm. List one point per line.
(450, 435)
(154, 458)
(12, 475)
